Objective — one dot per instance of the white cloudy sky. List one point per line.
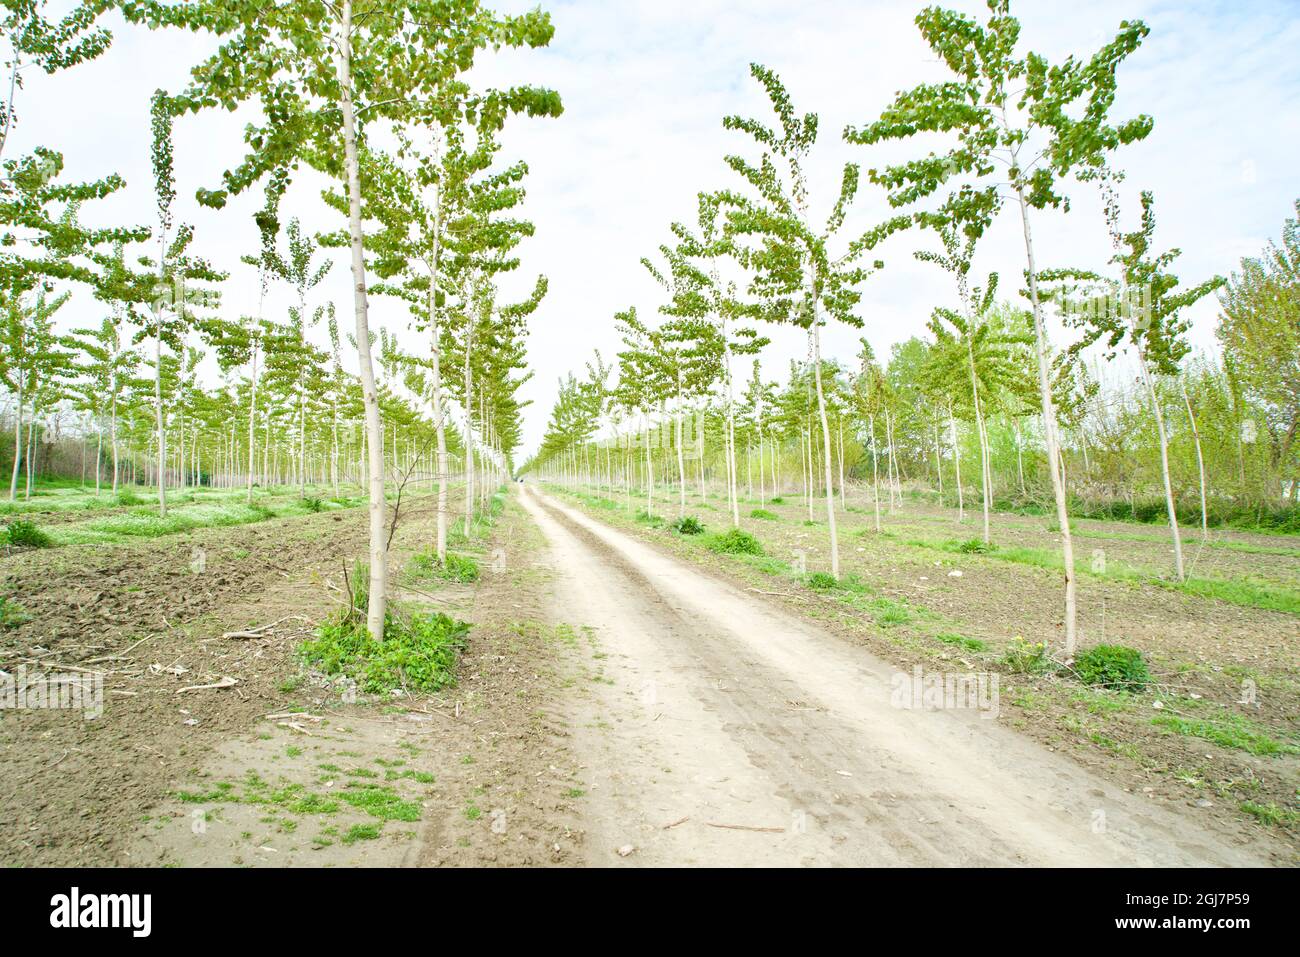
(645, 84)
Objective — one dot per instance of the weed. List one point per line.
(765, 515)
(735, 542)
(12, 614)
(688, 525)
(21, 533)
(1113, 666)
(1025, 657)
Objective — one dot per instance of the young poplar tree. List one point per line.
(1139, 307)
(795, 275)
(323, 73)
(1022, 126)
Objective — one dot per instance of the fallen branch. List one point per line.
(746, 827)
(293, 714)
(226, 682)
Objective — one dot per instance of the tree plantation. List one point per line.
(829, 436)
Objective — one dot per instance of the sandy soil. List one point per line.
(719, 729)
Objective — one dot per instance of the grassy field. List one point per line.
(68, 514)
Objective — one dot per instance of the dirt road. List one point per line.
(720, 730)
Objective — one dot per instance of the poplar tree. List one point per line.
(324, 73)
(1021, 126)
(795, 275)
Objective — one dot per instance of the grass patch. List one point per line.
(1271, 815)
(1026, 657)
(765, 515)
(362, 832)
(456, 568)
(1231, 731)
(381, 802)
(961, 641)
(888, 613)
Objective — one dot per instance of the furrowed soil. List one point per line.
(278, 769)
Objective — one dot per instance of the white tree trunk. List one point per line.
(1050, 433)
(374, 430)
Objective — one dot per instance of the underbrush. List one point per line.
(765, 515)
(1283, 519)
(419, 651)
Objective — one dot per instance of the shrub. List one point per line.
(688, 525)
(975, 546)
(822, 581)
(312, 504)
(1113, 666)
(777, 500)
(21, 533)
(1026, 657)
(764, 514)
(736, 542)
(127, 496)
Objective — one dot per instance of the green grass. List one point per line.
(1244, 592)
(12, 614)
(362, 832)
(765, 515)
(381, 802)
(21, 533)
(1271, 815)
(456, 568)
(961, 641)
(1232, 731)
(688, 525)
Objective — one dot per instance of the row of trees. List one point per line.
(372, 95)
(1010, 133)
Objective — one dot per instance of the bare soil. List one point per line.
(1202, 650)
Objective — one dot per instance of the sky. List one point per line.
(645, 85)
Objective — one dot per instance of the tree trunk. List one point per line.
(18, 442)
(1200, 466)
(378, 547)
(826, 449)
(1050, 432)
(1163, 436)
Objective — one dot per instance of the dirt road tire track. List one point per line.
(777, 742)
